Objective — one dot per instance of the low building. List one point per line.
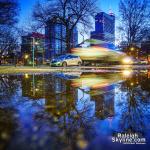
(145, 50)
(29, 41)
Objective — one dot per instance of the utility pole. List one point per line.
(33, 51)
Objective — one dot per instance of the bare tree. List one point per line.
(8, 12)
(67, 12)
(134, 19)
(8, 42)
(8, 18)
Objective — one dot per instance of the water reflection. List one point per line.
(70, 110)
(135, 111)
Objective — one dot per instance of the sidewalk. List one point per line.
(47, 69)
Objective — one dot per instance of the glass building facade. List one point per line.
(55, 40)
(104, 27)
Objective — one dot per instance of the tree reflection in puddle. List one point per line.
(136, 108)
(69, 111)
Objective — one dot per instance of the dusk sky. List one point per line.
(27, 7)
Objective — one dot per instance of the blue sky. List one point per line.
(27, 7)
(105, 5)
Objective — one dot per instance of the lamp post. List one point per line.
(132, 48)
(33, 51)
(82, 36)
(33, 48)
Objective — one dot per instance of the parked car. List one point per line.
(143, 62)
(140, 62)
(67, 60)
(47, 62)
(136, 61)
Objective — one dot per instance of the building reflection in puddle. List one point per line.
(62, 94)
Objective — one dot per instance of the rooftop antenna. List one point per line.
(101, 10)
(111, 12)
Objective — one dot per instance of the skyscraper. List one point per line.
(104, 27)
(55, 34)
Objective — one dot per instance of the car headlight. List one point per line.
(127, 60)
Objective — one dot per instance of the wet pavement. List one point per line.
(47, 69)
(75, 110)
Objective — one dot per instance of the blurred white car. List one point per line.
(67, 60)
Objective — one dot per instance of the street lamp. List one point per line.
(26, 56)
(132, 49)
(82, 35)
(25, 60)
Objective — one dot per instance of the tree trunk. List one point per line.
(147, 56)
(1, 57)
(68, 40)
